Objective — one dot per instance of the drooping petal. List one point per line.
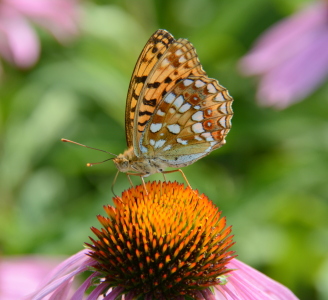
(62, 276)
(78, 295)
(77, 260)
(114, 293)
(62, 291)
(94, 295)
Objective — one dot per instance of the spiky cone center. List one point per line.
(162, 244)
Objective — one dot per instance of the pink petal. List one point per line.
(97, 291)
(55, 286)
(246, 283)
(285, 39)
(64, 274)
(114, 294)
(23, 272)
(60, 17)
(18, 42)
(63, 291)
(207, 294)
(297, 77)
(70, 264)
(78, 295)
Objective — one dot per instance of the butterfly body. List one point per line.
(175, 114)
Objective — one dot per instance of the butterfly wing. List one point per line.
(175, 60)
(192, 120)
(153, 50)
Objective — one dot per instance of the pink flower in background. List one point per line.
(19, 43)
(20, 276)
(291, 57)
(243, 283)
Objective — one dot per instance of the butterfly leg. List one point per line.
(130, 179)
(183, 175)
(141, 176)
(114, 181)
(185, 178)
(164, 177)
(143, 182)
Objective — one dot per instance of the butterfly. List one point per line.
(175, 114)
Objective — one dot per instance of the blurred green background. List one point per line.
(270, 179)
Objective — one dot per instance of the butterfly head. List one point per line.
(129, 162)
(122, 164)
(126, 162)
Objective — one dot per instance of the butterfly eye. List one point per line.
(125, 164)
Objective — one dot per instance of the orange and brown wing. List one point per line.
(153, 50)
(177, 62)
(192, 120)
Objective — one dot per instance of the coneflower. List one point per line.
(166, 243)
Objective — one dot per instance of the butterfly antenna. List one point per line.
(98, 163)
(69, 141)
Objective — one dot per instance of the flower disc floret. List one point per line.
(162, 243)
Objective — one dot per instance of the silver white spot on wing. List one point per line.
(174, 128)
(207, 136)
(165, 63)
(182, 59)
(168, 147)
(169, 98)
(178, 102)
(155, 127)
(160, 113)
(172, 110)
(184, 159)
(223, 108)
(198, 138)
(187, 82)
(197, 128)
(159, 143)
(181, 141)
(184, 108)
(178, 52)
(219, 97)
(211, 89)
(152, 142)
(197, 107)
(223, 122)
(199, 83)
(209, 148)
(197, 116)
(143, 149)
